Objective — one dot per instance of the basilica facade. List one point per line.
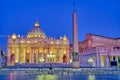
(36, 47)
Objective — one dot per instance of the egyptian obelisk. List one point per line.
(75, 54)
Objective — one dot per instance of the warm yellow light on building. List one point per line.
(41, 60)
(44, 37)
(90, 60)
(36, 24)
(40, 50)
(64, 51)
(14, 37)
(28, 41)
(21, 41)
(13, 50)
(57, 42)
(51, 52)
(70, 60)
(29, 36)
(28, 51)
(35, 41)
(35, 35)
(45, 51)
(65, 42)
(16, 60)
(51, 42)
(64, 38)
(51, 56)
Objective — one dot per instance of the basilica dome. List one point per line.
(36, 32)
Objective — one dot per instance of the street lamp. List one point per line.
(51, 56)
(90, 60)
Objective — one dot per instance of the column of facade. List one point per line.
(43, 54)
(46, 61)
(18, 56)
(61, 55)
(24, 55)
(98, 60)
(58, 50)
(48, 52)
(31, 55)
(55, 53)
(68, 59)
(37, 60)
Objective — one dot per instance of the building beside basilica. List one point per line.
(99, 51)
(37, 47)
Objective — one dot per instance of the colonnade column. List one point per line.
(117, 61)
(106, 61)
(18, 53)
(42, 55)
(59, 61)
(46, 61)
(98, 60)
(58, 56)
(31, 55)
(37, 56)
(112, 58)
(61, 56)
(24, 55)
(55, 52)
(48, 52)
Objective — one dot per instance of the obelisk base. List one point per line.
(75, 63)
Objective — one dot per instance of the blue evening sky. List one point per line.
(100, 17)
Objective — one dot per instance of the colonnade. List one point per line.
(103, 60)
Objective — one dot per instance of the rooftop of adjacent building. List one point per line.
(102, 36)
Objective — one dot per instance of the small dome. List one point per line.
(14, 36)
(36, 32)
(36, 24)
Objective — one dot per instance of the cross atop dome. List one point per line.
(36, 24)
